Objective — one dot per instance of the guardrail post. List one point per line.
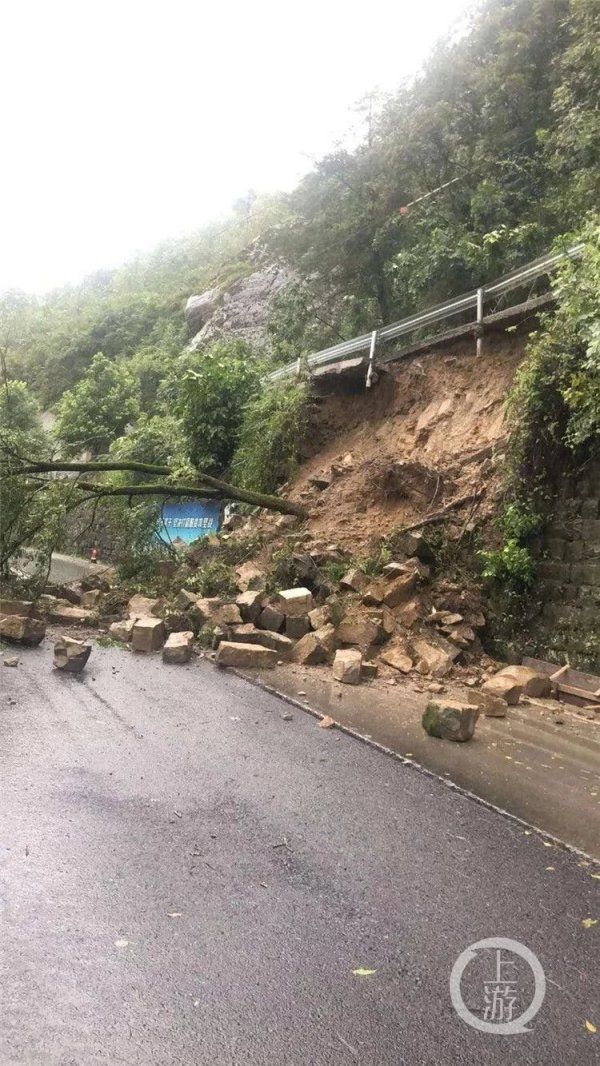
(369, 380)
(479, 327)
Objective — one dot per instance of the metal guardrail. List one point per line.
(454, 306)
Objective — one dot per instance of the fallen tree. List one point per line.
(206, 486)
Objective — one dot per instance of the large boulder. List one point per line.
(359, 631)
(69, 616)
(355, 580)
(178, 648)
(296, 626)
(250, 604)
(505, 688)
(434, 657)
(310, 650)
(492, 706)
(271, 618)
(450, 720)
(398, 658)
(347, 666)
(23, 608)
(235, 653)
(22, 630)
(399, 590)
(532, 682)
(140, 606)
(71, 655)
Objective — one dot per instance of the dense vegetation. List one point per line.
(501, 129)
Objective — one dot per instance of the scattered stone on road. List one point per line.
(71, 655)
(295, 601)
(491, 705)
(11, 660)
(533, 683)
(148, 634)
(22, 630)
(506, 688)
(121, 631)
(232, 653)
(178, 648)
(450, 720)
(347, 666)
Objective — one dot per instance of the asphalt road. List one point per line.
(190, 876)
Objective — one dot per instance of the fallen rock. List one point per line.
(90, 599)
(202, 611)
(271, 618)
(140, 606)
(178, 648)
(361, 632)
(296, 626)
(248, 634)
(69, 616)
(22, 630)
(450, 720)
(121, 630)
(411, 544)
(347, 666)
(506, 688)
(295, 601)
(319, 616)
(355, 580)
(492, 706)
(220, 633)
(71, 655)
(398, 658)
(410, 612)
(250, 578)
(11, 660)
(250, 604)
(320, 481)
(394, 570)
(232, 653)
(185, 599)
(327, 722)
(373, 595)
(533, 683)
(226, 614)
(309, 650)
(327, 636)
(23, 608)
(148, 634)
(369, 670)
(398, 590)
(435, 658)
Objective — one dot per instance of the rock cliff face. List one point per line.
(241, 310)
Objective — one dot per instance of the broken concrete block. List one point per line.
(347, 666)
(232, 653)
(22, 630)
(121, 630)
(532, 682)
(148, 634)
(507, 688)
(295, 601)
(319, 616)
(492, 706)
(178, 648)
(71, 655)
(271, 618)
(355, 580)
(398, 658)
(296, 626)
(309, 651)
(250, 604)
(399, 590)
(450, 720)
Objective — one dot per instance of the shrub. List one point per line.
(270, 436)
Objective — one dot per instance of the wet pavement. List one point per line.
(192, 871)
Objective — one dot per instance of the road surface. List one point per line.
(192, 871)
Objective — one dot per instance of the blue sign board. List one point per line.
(188, 521)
